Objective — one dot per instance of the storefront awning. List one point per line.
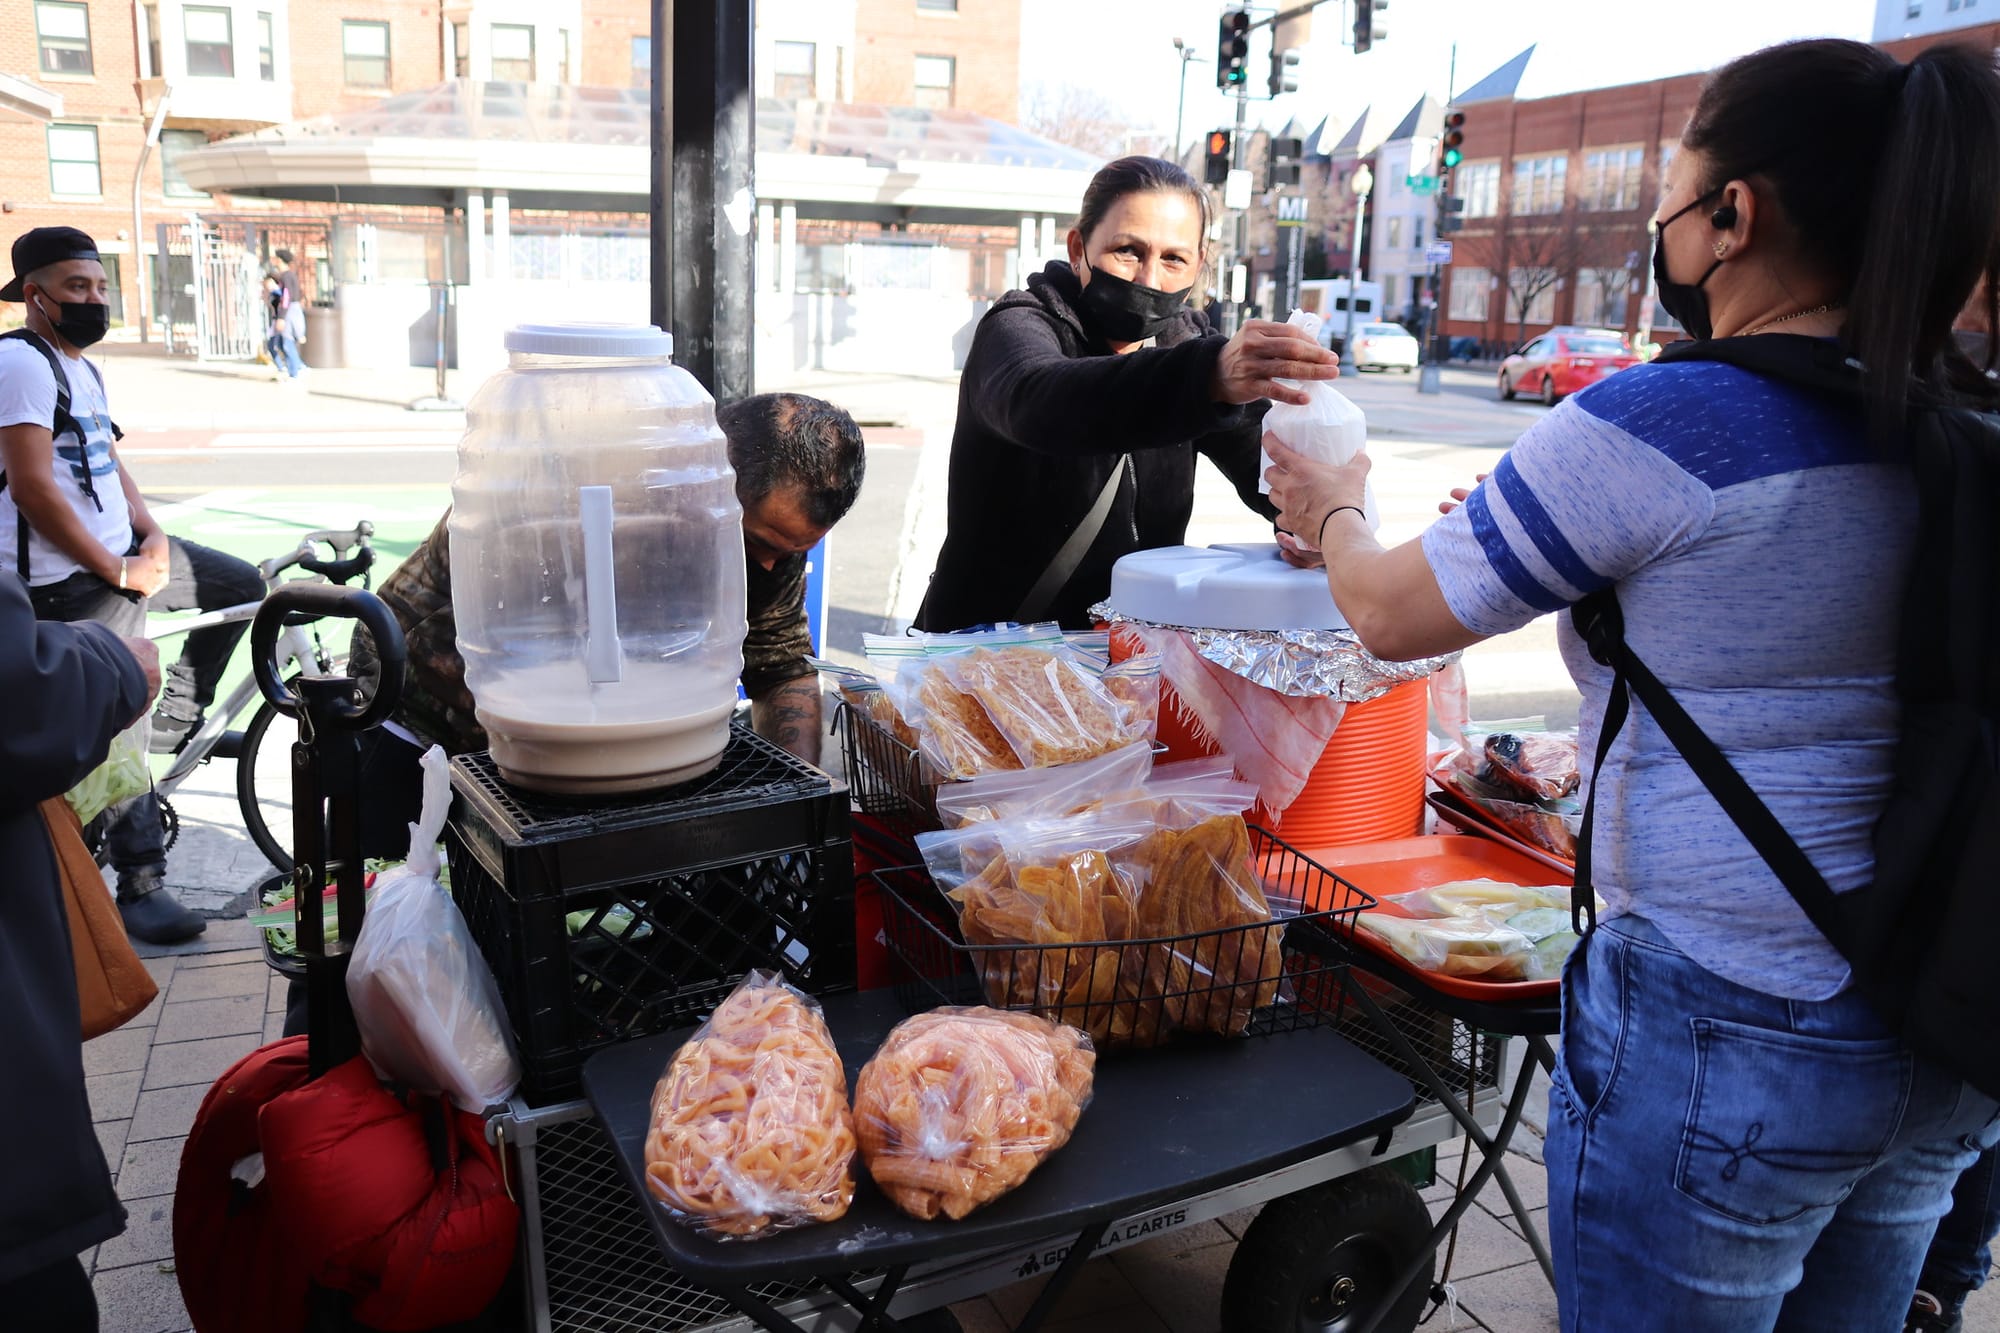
(587, 148)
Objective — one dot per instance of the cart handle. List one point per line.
(329, 601)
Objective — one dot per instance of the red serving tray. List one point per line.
(1405, 864)
(1471, 819)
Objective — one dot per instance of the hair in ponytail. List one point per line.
(1889, 175)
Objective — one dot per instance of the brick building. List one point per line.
(940, 53)
(1558, 192)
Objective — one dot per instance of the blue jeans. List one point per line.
(1961, 1254)
(284, 350)
(1724, 1161)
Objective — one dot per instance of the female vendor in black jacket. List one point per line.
(1085, 400)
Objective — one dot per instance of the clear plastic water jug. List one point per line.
(597, 563)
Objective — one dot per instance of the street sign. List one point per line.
(1421, 184)
(1438, 252)
(1291, 210)
(1236, 191)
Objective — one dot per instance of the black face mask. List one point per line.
(1685, 301)
(81, 324)
(1125, 312)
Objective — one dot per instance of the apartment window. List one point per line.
(1612, 179)
(1395, 237)
(73, 161)
(1916, 9)
(364, 52)
(154, 69)
(513, 52)
(642, 62)
(211, 45)
(938, 6)
(563, 71)
(173, 143)
(1601, 296)
(1539, 182)
(1478, 184)
(1470, 291)
(793, 69)
(461, 51)
(935, 77)
(267, 50)
(62, 31)
(1416, 233)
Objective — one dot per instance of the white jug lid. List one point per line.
(1245, 587)
(590, 340)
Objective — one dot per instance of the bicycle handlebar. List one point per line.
(327, 600)
(340, 571)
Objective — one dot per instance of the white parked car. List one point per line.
(1382, 347)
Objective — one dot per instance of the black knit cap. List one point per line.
(40, 248)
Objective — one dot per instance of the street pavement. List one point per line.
(231, 459)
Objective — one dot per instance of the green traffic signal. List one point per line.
(1452, 157)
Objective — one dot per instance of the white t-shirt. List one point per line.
(28, 397)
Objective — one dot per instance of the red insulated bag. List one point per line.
(231, 1256)
(395, 1201)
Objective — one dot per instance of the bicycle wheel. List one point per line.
(264, 783)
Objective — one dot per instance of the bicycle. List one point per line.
(263, 763)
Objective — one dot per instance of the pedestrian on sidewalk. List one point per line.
(1085, 401)
(1737, 1139)
(69, 690)
(286, 301)
(75, 528)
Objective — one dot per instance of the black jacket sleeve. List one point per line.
(1024, 385)
(69, 689)
(1238, 454)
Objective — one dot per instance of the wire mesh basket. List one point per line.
(886, 778)
(1257, 979)
(1463, 1058)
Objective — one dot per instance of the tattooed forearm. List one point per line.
(790, 716)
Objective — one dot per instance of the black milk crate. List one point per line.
(626, 916)
(1305, 986)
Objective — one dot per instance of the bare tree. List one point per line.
(1542, 250)
(1080, 117)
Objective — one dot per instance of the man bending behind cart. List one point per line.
(798, 463)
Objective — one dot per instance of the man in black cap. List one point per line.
(76, 530)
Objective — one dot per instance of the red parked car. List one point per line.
(1557, 364)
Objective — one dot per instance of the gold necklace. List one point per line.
(1799, 314)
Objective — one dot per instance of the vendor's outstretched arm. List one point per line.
(1389, 596)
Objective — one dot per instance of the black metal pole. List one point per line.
(712, 260)
(660, 242)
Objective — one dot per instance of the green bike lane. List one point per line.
(259, 522)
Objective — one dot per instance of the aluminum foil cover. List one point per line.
(1301, 663)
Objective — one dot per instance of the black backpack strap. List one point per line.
(1601, 623)
(98, 375)
(64, 422)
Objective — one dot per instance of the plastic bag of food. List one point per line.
(424, 999)
(1488, 899)
(954, 732)
(1046, 705)
(1135, 682)
(123, 775)
(1327, 427)
(1554, 937)
(750, 1132)
(1454, 946)
(1541, 766)
(959, 1106)
(1552, 825)
(1044, 792)
(1136, 921)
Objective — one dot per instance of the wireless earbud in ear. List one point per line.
(1722, 219)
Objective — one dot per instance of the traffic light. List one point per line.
(1282, 165)
(1451, 148)
(1367, 28)
(1284, 71)
(1232, 51)
(1219, 162)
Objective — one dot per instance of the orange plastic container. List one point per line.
(1369, 784)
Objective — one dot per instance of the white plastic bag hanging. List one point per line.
(424, 999)
(1328, 427)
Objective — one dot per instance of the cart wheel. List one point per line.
(1321, 1260)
